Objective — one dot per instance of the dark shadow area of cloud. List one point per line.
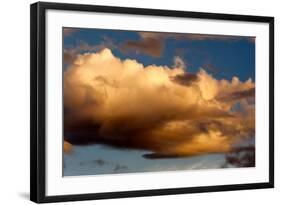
(69, 31)
(153, 43)
(70, 54)
(135, 133)
(237, 95)
(160, 156)
(241, 157)
(150, 46)
(86, 129)
(185, 79)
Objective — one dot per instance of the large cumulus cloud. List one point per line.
(167, 111)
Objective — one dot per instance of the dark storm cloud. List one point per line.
(203, 37)
(70, 54)
(211, 67)
(119, 167)
(69, 31)
(149, 45)
(185, 79)
(160, 156)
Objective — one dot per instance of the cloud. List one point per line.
(96, 162)
(148, 44)
(179, 62)
(153, 43)
(203, 37)
(120, 168)
(69, 31)
(166, 111)
(67, 147)
(185, 79)
(70, 54)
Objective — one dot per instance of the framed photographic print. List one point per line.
(129, 102)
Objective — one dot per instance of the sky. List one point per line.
(137, 101)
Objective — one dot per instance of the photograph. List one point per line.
(140, 102)
(133, 102)
(147, 101)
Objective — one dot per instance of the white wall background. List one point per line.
(14, 101)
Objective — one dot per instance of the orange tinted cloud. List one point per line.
(69, 31)
(67, 147)
(166, 111)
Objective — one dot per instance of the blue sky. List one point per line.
(223, 57)
(100, 159)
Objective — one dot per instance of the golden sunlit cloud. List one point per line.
(67, 147)
(167, 111)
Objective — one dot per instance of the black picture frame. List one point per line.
(38, 101)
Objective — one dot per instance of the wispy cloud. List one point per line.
(153, 43)
(69, 31)
(185, 79)
(70, 54)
